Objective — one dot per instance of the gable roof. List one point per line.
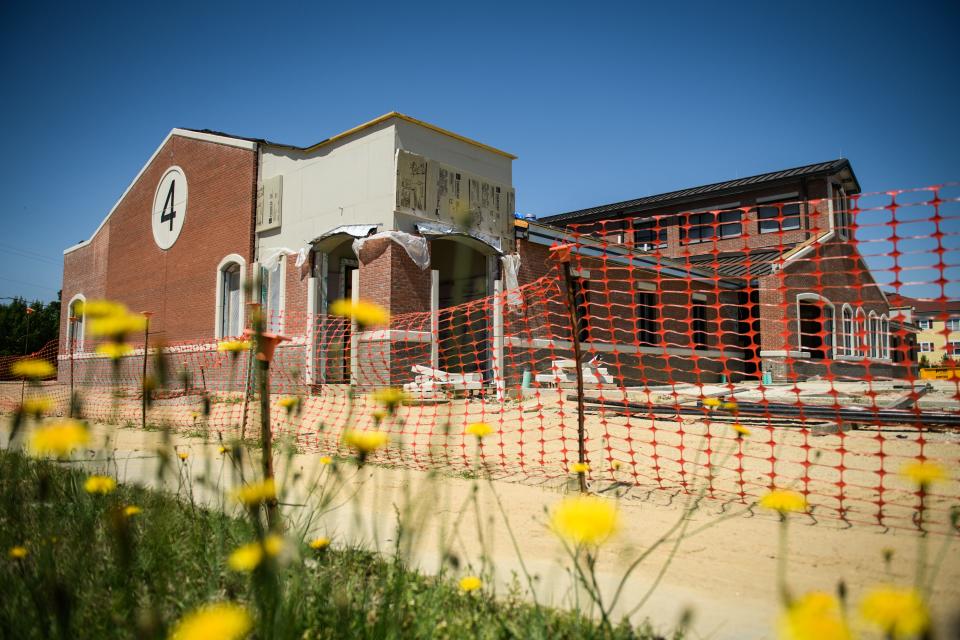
(728, 187)
(205, 136)
(244, 142)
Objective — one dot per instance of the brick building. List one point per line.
(691, 285)
(806, 303)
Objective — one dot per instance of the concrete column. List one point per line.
(354, 336)
(499, 375)
(310, 331)
(434, 319)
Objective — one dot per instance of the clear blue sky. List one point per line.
(601, 102)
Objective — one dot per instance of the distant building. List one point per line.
(938, 326)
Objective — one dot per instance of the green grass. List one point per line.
(92, 573)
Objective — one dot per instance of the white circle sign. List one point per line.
(169, 207)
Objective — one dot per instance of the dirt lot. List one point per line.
(849, 475)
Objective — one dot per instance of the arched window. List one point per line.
(874, 330)
(861, 342)
(76, 322)
(815, 325)
(231, 278)
(845, 344)
(884, 337)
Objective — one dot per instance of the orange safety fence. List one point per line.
(47, 352)
(770, 345)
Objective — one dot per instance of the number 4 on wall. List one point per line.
(168, 213)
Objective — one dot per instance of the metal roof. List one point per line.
(718, 188)
(739, 264)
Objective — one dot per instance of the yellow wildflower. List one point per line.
(59, 438)
(289, 402)
(711, 403)
(256, 493)
(814, 616)
(365, 314)
(389, 397)
(37, 405)
(784, 501)
(249, 556)
(742, 431)
(923, 472)
(114, 350)
(220, 621)
(378, 415)
(585, 520)
(18, 552)
(470, 583)
(616, 464)
(730, 406)
(132, 510)
(326, 460)
(579, 467)
(899, 612)
(223, 449)
(365, 442)
(479, 429)
(320, 543)
(183, 455)
(118, 326)
(100, 484)
(32, 368)
(234, 346)
(246, 557)
(101, 309)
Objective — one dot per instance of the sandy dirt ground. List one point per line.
(850, 475)
(724, 571)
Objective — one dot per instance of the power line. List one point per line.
(29, 284)
(27, 254)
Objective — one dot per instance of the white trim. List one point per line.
(780, 198)
(183, 133)
(873, 349)
(884, 337)
(848, 347)
(610, 347)
(831, 352)
(394, 335)
(237, 259)
(780, 353)
(281, 259)
(83, 322)
(862, 345)
(717, 208)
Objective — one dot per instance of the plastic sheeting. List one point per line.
(439, 229)
(511, 268)
(370, 247)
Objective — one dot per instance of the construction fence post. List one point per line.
(562, 254)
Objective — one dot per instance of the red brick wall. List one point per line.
(296, 291)
(84, 272)
(177, 285)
